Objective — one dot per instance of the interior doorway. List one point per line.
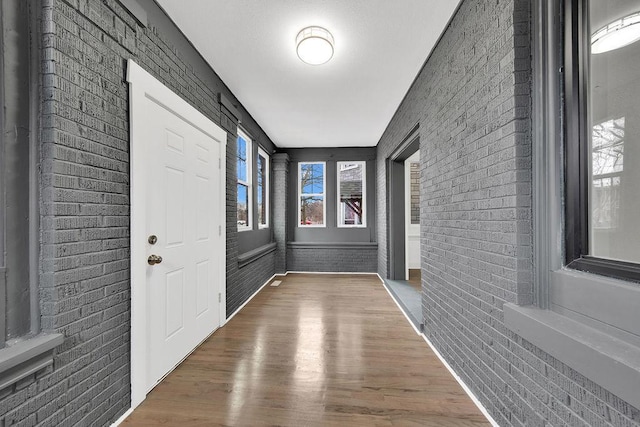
(403, 237)
(412, 219)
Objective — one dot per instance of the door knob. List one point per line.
(154, 259)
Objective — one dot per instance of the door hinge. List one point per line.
(219, 163)
(219, 230)
(219, 297)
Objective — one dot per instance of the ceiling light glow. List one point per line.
(314, 45)
(617, 34)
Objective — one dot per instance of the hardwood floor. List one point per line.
(319, 350)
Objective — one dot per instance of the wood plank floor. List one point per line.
(319, 350)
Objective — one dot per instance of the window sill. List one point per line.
(27, 357)
(249, 257)
(608, 361)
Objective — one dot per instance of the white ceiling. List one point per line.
(380, 45)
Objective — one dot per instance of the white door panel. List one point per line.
(182, 293)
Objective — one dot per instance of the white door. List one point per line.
(182, 291)
(177, 195)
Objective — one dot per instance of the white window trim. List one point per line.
(248, 183)
(267, 179)
(364, 194)
(323, 194)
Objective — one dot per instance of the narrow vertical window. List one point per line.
(311, 192)
(351, 194)
(244, 181)
(263, 188)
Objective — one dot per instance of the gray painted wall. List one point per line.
(473, 103)
(331, 248)
(85, 280)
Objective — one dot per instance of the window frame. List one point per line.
(323, 194)
(577, 154)
(267, 177)
(364, 195)
(28, 353)
(249, 181)
(567, 318)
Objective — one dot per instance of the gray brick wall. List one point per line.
(85, 278)
(414, 176)
(333, 259)
(250, 278)
(472, 101)
(280, 209)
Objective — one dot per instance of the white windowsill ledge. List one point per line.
(608, 361)
(27, 357)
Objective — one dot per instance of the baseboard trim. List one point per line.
(331, 272)
(462, 384)
(124, 416)
(250, 298)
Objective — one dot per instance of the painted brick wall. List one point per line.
(85, 278)
(415, 193)
(472, 101)
(250, 278)
(334, 259)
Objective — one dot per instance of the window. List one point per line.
(18, 187)
(311, 188)
(263, 188)
(602, 140)
(351, 194)
(24, 349)
(586, 317)
(244, 181)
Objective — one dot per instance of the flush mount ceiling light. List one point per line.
(617, 34)
(314, 45)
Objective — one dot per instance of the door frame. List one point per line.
(396, 234)
(143, 86)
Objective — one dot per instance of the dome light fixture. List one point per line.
(314, 45)
(617, 34)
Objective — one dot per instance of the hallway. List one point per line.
(317, 350)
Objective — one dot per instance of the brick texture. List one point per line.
(472, 101)
(318, 259)
(85, 277)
